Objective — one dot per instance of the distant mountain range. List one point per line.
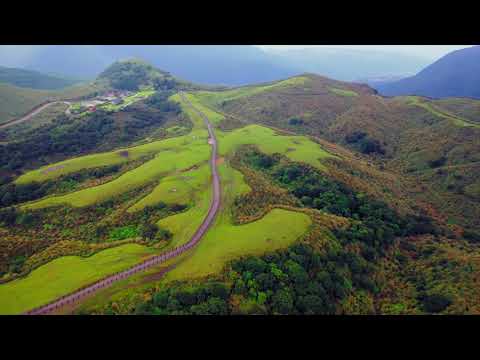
(213, 64)
(209, 64)
(457, 74)
(349, 64)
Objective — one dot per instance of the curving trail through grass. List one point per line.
(155, 260)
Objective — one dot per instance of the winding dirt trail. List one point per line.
(32, 113)
(197, 236)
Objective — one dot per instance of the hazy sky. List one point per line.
(426, 51)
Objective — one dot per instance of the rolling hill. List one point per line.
(33, 79)
(334, 200)
(454, 75)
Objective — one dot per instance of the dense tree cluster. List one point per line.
(376, 224)
(64, 136)
(293, 281)
(365, 144)
(129, 75)
(209, 298)
(159, 101)
(164, 83)
(295, 121)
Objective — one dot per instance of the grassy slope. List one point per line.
(64, 275)
(278, 229)
(16, 101)
(177, 189)
(297, 148)
(189, 153)
(216, 98)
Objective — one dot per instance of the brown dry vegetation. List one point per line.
(413, 139)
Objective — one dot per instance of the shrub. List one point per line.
(436, 303)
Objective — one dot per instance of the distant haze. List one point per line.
(430, 52)
(233, 64)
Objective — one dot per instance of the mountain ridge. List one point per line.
(457, 74)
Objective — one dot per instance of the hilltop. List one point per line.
(134, 74)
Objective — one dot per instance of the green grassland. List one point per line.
(192, 140)
(213, 116)
(187, 154)
(277, 229)
(296, 148)
(215, 98)
(343, 92)
(177, 189)
(183, 225)
(66, 274)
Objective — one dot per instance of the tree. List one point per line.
(436, 302)
(163, 234)
(219, 290)
(282, 302)
(160, 299)
(311, 304)
(148, 231)
(8, 199)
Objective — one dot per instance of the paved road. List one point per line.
(32, 113)
(212, 212)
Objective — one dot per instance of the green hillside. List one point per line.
(33, 79)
